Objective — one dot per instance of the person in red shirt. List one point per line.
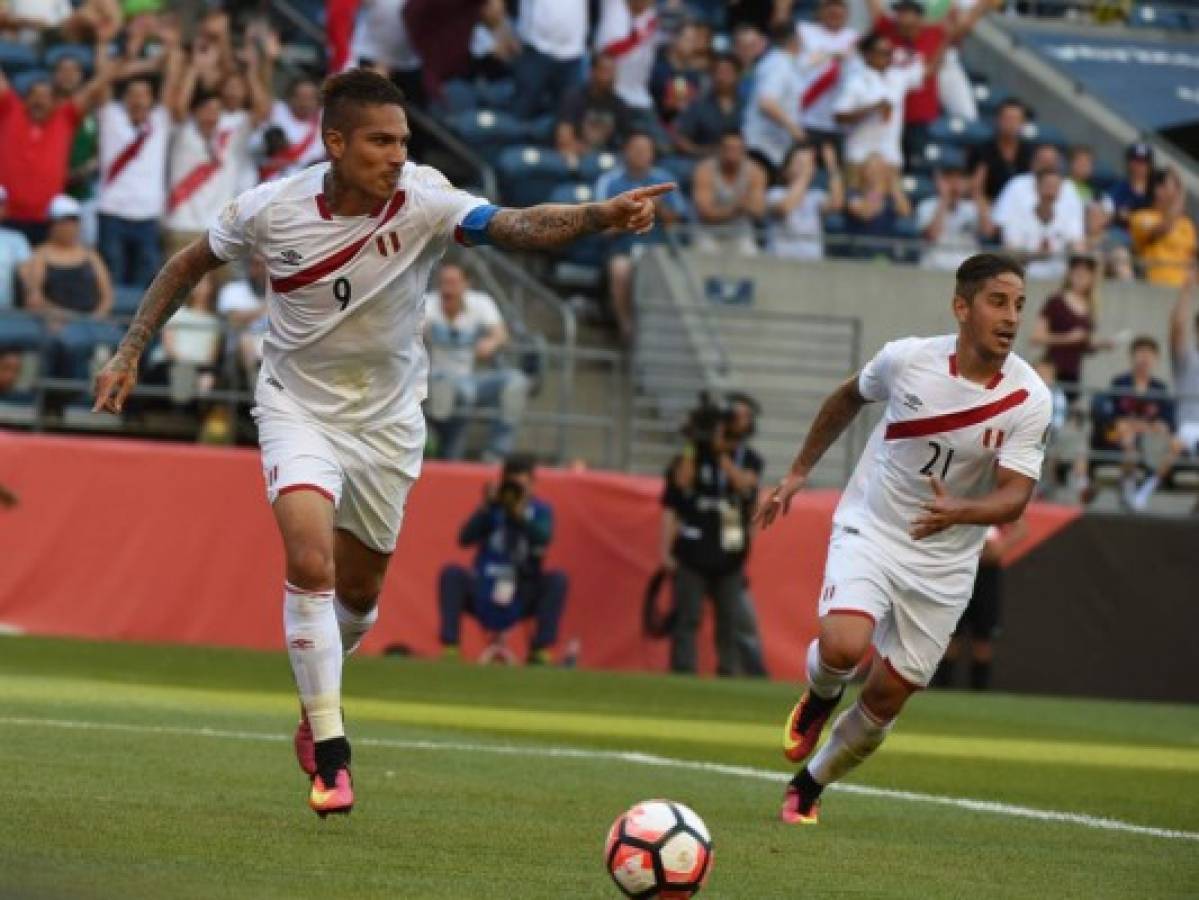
(913, 36)
(35, 142)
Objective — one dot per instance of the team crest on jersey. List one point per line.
(993, 437)
(388, 243)
(291, 257)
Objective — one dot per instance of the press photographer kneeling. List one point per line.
(512, 531)
(707, 507)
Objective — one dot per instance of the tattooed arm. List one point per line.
(552, 225)
(163, 297)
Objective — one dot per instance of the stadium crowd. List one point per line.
(126, 127)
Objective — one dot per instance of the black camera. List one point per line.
(510, 492)
(705, 424)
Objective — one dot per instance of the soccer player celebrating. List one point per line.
(959, 448)
(349, 246)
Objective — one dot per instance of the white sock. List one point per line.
(855, 735)
(314, 647)
(353, 625)
(824, 681)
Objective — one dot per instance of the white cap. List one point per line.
(64, 207)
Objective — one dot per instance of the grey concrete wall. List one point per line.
(897, 301)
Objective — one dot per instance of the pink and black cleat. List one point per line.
(799, 811)
(335, 800)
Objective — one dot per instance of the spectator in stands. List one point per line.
(1184, 360)
(381, 41)
(796, 207)
(679, 72)
(1140, 406)
(67, 77)
(190, 351)
(764, 15)
(1135, 191)
(495, 44)
(870, 104)
(1045, 238)
(995, 162)
(465, 333)
(750, 46)
(626, 33)
(554, 35)
(14, 251)
(65, 281)
(508, 581)
(35, 144)
(1163, 236)
(953, 221)
(915, 39)
(728, 193)
(873, 210)
(442, 32)
(1081, 172)
(772, 114)
(827, 48)
(1066, 324)
(698, 128)
(592, 117)
(292, 139)
(1019, 196)
(134, 143)
(10, 374)
(638, 171)
(242, 305)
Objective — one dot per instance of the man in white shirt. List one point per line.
(870, 105)
(134, 141)
(241, 304)
(627, 32)
(554, 38)
(772, 115)
(826, 51)
(349, 246)
(1048, 235)
(959, 448)
(1019, 196)
(952, 222)
(463, 331)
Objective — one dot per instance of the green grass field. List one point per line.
(138, 771)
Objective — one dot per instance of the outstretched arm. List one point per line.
(163, 297)
(841, 408)
(552, 225)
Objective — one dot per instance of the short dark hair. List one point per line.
(1145, 342)
(732, 132)
(200, 97)
(727, 58)
(519, 464)
(343, 94)
(783, 34)
(868, 42)
(978, 269)
(1010, 103)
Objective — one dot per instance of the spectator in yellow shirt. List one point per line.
(1163, 235)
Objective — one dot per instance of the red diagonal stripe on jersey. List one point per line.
(332, 263)
(963, 418)
(821, 86)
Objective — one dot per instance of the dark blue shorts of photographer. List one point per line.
(507, 584)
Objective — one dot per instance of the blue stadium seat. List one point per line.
(836, 241)
(529, 175)
(541, 130)
(952, 130)
(16, 57)
(1043, 133)
(126, 299)
(81, 52)
(593, 165)
(20, 331)
(589, 251)
(23, 81)
(488, 131)
(937, 155)
(918, 187)
(458, 97)
(496, 94)
(1149, 15)
(988, 99)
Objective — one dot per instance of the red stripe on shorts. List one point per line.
(306, 487)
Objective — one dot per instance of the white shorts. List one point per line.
(367, 475)
(911, 628)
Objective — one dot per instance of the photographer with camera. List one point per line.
(707, 506)
(741, 423)
(512, 531)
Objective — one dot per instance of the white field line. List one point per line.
(641, 759)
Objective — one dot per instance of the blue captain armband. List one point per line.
(473, 230)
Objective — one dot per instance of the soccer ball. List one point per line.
(659, 849)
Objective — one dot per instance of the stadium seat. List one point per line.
(937, 155)
(496, 94)
(457, 96)
(16, 57)
(21, 331)
(126, 299)
(81, 338)
(593, 165)
(528, 175)
(488, 131)
(918, 186)
(988, 99)
(1043, 133)
(23, 81)
(959, 132)
(541, 130)
(1148, 15)
(588, 252)
(81, 52)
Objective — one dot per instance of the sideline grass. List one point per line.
(126, 813)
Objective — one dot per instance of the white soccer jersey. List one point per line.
(346, 296)
(823, 58)
(938, 423)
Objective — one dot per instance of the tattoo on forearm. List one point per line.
(166, 293)
(545, 227)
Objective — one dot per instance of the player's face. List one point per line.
(991, 319)
(371, 157)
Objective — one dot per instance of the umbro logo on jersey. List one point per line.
(291, 257)
(912, 402)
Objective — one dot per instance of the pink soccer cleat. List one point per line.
(796, 812)
(335, 800)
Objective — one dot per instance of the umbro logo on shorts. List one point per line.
(291, 257)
